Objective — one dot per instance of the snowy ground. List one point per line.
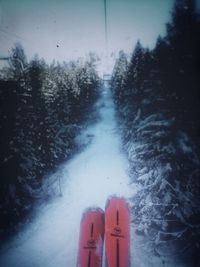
(87, 180)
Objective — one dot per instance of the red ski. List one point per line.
(91, 238)
(117, 233)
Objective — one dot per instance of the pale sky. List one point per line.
(66, 29)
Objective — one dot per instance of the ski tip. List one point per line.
(92, 210)
(117, 198)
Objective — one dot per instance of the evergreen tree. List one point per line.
(183, 38)
(119, 76)
(18, 65)
(135, 70)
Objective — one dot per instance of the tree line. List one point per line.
(157, 99)
(43, 107)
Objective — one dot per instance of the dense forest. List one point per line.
(157, 97)
(42, 109)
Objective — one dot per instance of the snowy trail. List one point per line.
(87, 180)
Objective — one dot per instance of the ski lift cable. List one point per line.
(13, 34)
(4, 58)
(106, 23)
(106, 34)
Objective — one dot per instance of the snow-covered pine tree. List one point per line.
(119, 76)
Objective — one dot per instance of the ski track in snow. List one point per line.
(87, 180)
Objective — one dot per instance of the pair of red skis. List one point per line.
(115, 225)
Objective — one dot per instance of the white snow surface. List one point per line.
(98, 172)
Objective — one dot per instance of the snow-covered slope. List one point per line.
(87, 180)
